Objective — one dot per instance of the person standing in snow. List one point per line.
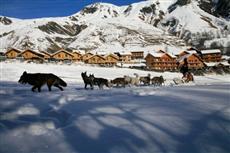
(184, 68)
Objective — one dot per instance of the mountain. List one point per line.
(144, 26)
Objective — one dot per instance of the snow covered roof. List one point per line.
(191, 51)
(110, 54)
(210, 51)
(155, 54)
(225, 57)
(161, 53)
(187, 52)
(125, 53)
(173, 56)
(181, 59)
(102, 53)
(136, 51)
(78, 51)
(225, 63)
(96, 56)
(211, 64)
(88, 53)
(62, 50)
(32, 51)
(172, 50)
(17, 50)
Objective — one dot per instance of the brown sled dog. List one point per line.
(37, 80)
(188, 77)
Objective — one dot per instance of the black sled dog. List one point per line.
(37, 80)
(100, 82)
(88, 80)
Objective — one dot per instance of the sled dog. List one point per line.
(88, 80)
(158, 81)
(145, 79)
(100, 82)
(119, 81)
(37, 80)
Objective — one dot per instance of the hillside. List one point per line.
(144, 26)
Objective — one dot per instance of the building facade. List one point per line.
(62, 55)
(136, 55)
(12, 53)
(194, 61)
(111, 59)
(212, 55)
(77, 56)
(96, 59)
(161, 61)
(31, 55)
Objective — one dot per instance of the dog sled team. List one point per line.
(37, 80)
(91, 80)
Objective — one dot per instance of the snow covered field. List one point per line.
(189, 118)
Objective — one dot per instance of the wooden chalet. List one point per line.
(77, 56)
(12, 53)
(31, 55)
(62, 55)
(96, 59)
(125, 57)
(194, 61)
(212, 55)
(137, 55)
(161, 61)
(86, 56)
(111, 59)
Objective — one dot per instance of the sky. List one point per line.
(28, 9)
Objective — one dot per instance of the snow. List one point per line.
(192, 51)
(211, 64)
(225, 42)
(192, 117)
(154, 54)
(209, 51)
(129, 32)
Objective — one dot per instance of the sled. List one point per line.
(188, 78)
(178, 81)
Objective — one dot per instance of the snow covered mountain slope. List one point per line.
(139, 26)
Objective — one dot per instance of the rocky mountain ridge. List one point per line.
(146, 25)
